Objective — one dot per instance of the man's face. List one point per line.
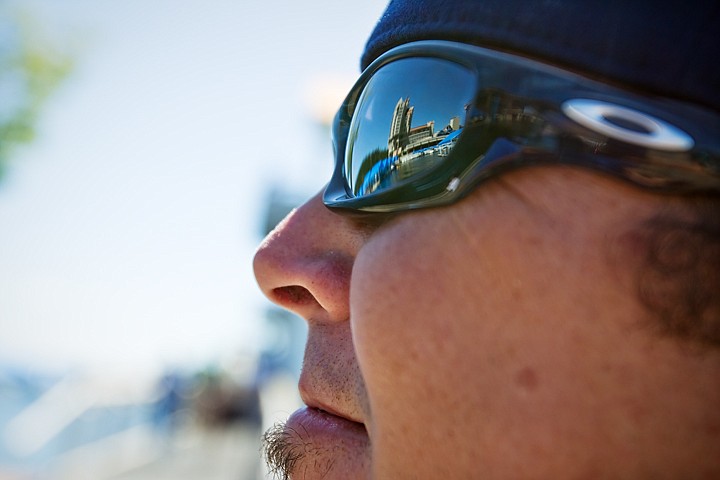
(500, 337)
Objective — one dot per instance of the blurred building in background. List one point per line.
(177, 424)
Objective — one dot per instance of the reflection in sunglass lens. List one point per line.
(407, 120)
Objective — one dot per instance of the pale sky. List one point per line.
(127, 229)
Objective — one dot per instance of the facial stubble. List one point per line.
(280, 453)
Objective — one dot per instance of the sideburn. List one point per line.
(678, 278)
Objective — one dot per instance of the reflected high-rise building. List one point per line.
(400, 126)
(404, 138)
(409, 149)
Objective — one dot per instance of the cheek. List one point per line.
(464, 336)
(413, 328)
(429, 310)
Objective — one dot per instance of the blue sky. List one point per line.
(127, 228)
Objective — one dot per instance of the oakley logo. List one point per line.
(627, 125)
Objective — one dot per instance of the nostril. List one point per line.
(293, 295)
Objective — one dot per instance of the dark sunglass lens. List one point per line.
(406, 122)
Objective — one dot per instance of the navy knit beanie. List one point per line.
(660, 47)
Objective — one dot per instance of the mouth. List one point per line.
(323, 418)
(322, 423)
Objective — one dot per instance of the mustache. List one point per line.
(280, 452)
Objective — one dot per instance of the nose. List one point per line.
(305, 263)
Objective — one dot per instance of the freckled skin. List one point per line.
(500, 337)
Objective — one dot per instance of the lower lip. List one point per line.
(321, 426)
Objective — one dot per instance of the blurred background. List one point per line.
(146, 146)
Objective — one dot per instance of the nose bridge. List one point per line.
(305, 263)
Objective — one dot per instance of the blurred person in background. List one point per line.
(514, 271)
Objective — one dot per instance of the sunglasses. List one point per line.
(429, 121)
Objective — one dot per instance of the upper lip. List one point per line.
(312, 399)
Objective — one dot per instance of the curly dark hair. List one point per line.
(679, 280)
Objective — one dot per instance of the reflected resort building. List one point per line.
(409, 149)
(404, 138)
